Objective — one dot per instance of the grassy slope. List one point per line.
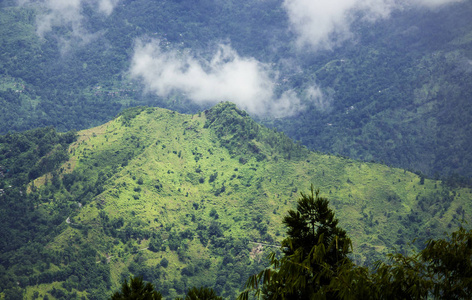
(171, 152)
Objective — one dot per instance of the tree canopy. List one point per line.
(315, 264)
(136, 289)
(315, 249)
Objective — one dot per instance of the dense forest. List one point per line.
(398, 93)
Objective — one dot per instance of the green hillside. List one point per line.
(398, 93)
(189, 200)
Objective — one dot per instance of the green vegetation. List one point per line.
(315, 264)
(399, 95)
(126, 198)
(198, 200)
(33, 217)
(136, 289)
(202, 293)
(315, 249)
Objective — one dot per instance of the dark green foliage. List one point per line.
(32, 219)
(28, 155)
(25, 156)
(213, 177)
(155, 244)
(313, 221)
(449, 263)
(456, 180)
(215, 229)
(213, 212)
(443, 270)
(202, 293)
(136, 290)
(314, 253)
(238, 133)
(14, 294)
(164, 262)
(131, 113)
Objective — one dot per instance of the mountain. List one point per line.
(188, 200)
(395, 91)
(401, 94)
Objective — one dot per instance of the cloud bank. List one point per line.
(324, 24)
(67, 13)
(225, 77)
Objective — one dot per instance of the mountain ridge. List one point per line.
(169, 196)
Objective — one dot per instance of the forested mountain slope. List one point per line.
(398, 91)
(188, 200)
(402, 95)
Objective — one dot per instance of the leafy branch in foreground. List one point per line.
(315, 264)
(442, 270)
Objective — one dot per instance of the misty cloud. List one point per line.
(225, 77)
(322, 101)
(107, 6)
(324, 24)
(434, 3)
(62, 13)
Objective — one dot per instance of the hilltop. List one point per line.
(191, 200)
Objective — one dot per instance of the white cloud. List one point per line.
(107, 6)
(322, 101)
(434, 3)
(67, 13)
(225, 77)
(325, 23)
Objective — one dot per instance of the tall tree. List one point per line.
(136, 290)
(202, 293)
(315, 265)
(315, 249)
